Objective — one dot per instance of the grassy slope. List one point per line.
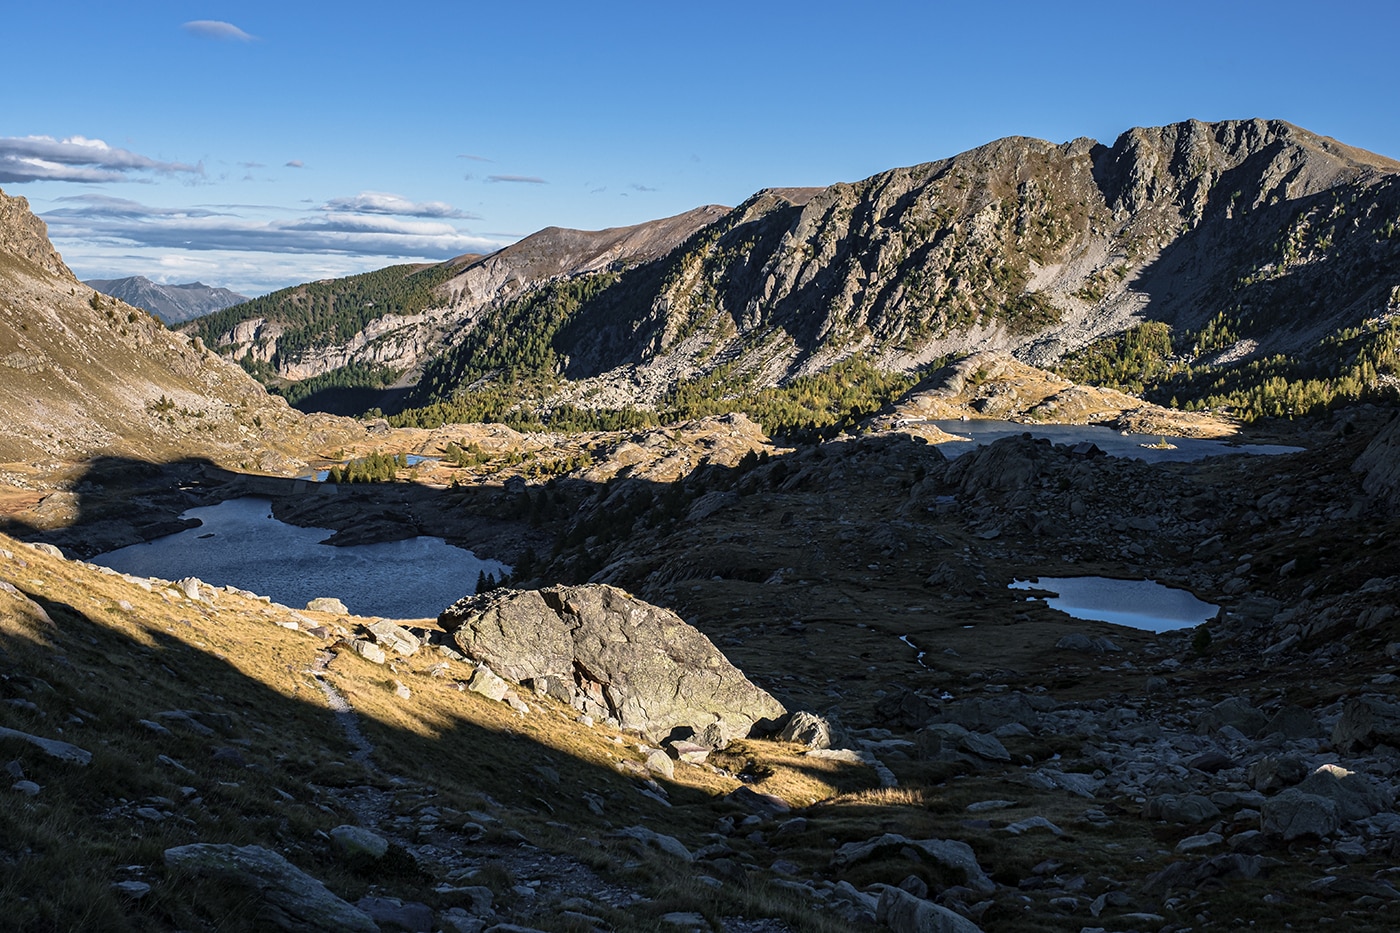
(96, 654)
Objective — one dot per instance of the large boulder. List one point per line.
(1294, 814)
(292, 899)
(902, 912)
(609, 655)
(1365, 723)
(1381, 463)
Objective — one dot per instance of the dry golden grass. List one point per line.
(96, 654)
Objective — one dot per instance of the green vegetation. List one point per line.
(350, 376)
(517, 342)
(817, 405)
(823, 403)
(376, 468)
(1352, 365)
(318, 314)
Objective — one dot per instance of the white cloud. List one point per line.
(377, 202)
(107, 221)
(216, 29)
(79, 159)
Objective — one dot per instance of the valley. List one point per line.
(733, 428)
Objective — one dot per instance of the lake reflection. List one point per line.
(241, 544)
(1142, 604)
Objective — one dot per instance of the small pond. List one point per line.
(1141, 604)
(240, 543)
(983, 431)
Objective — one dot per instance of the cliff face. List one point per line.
(25, 236)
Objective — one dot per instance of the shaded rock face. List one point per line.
(1381, 463)
(610, 655)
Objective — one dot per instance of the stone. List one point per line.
(1293, 814)
(357, 844)
(1187, 809)
(190, 586)
(1212, 761)
(394, 638)
(1078, 641)
(1270, 773)
(133, 890)
(905, 708)
(328, 604)
(609, 654)
(401, 690)
(1356, 796)
(668, 844)
(660, 763)
(394, 914)
(1235, 712)
(485, 682)
(949, 853)
(902, 912)
(54, 748)
(27, 788)
(1081, 785)
(769, 805)
(1294, 723)
(1365, 723)
(984, 746)
(691, 752)
(457, 920)
(1198, 843)
(1190, 875)
(807, 728)
(50, 549)
(292, 899)
(369, 651)
(1021, 827)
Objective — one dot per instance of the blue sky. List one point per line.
(257, 144)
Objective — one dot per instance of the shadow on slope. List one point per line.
(206, 723)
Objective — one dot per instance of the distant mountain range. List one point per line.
(173, 304)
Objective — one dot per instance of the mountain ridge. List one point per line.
(91, 375)
(1020, 245)
(173, 304)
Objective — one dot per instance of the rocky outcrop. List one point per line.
(996, 385)
(292, 899)
(26, 237)
(1380, 461)
(610, 655)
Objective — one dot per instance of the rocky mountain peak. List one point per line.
(25, 236)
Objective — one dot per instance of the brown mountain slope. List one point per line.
(83, 375)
